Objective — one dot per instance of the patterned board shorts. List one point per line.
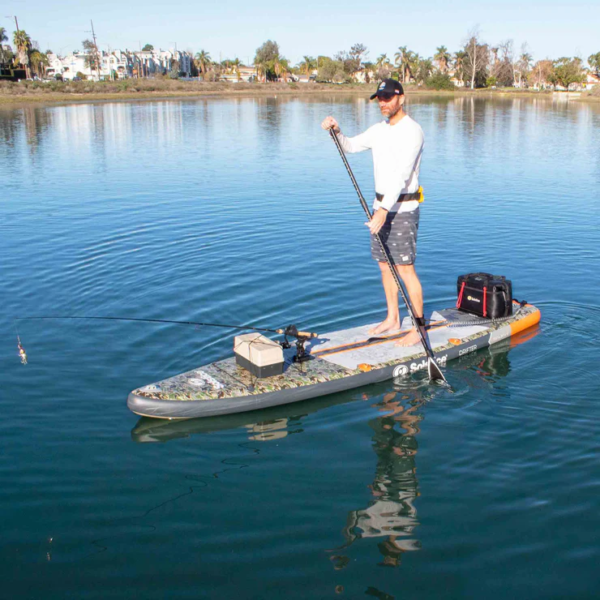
(399, 236)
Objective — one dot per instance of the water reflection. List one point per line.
(391, 516)
(114, 124)
(261, 425)
(36, 121)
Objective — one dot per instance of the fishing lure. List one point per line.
(22, 352)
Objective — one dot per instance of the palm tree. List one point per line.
(235, 67)
(281, 67)
(442, 57)
(401, 60)
(383, 67)
(408, 62)
(202, 61)
(413, 61)
(39, 62)
(285, 63)
(307, 65)
(382, 61)
(424, 69)
(526, 59)
(494, 51)
(23, 45)
(3, 38)
(459, 65)
(261, 70)
(523, 67)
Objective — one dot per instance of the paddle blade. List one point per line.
(435, 373)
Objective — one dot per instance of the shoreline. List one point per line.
(39, 95)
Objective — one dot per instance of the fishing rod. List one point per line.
(290, 330)
(435, 373)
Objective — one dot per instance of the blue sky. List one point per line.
(235, 28)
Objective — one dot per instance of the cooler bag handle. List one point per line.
(460, 295)
(484, 301)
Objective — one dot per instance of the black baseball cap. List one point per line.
(387, 89)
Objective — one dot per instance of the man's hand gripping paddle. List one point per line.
(435, 374)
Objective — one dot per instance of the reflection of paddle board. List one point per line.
(339, 361)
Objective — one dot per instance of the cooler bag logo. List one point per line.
(472, 299)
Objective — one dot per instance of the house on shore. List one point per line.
(303, 77)
(119, 64)
(363, 75)
(591, 80)
(459, 83)
(239, 74)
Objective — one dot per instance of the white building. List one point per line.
(242, 73)
(120, 65)
(591, 80)
(161, 62)
(66, 66)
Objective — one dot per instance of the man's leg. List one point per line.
(392, 321)
(415, 294)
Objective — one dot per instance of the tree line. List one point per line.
(476, 64)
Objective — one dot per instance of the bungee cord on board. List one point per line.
(483, 321)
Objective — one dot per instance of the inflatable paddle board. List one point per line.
(337, 361)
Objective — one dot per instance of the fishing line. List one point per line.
(290, 330)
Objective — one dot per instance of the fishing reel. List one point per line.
(301, 338)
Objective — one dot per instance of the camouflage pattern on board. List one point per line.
(237, 381)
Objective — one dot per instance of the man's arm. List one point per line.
(358, 143)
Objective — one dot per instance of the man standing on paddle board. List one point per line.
(397, 146)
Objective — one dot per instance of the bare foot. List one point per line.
(410, 339)
(387, 325)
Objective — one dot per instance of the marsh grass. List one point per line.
(164, 87)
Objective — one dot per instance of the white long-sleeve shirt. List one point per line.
(397, 151)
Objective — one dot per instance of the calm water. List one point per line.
(239, 210)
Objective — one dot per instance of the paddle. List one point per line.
(435, 374)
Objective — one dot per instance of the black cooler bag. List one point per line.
(485, 295)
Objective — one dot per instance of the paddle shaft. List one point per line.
(389, 259)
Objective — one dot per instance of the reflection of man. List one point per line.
(397, 146)
(392, 513)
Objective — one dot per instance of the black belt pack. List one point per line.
(401, 197)
(485, 295)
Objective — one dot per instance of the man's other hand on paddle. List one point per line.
(330, 123)
(377, 220)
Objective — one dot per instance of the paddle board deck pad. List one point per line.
(338, 361)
